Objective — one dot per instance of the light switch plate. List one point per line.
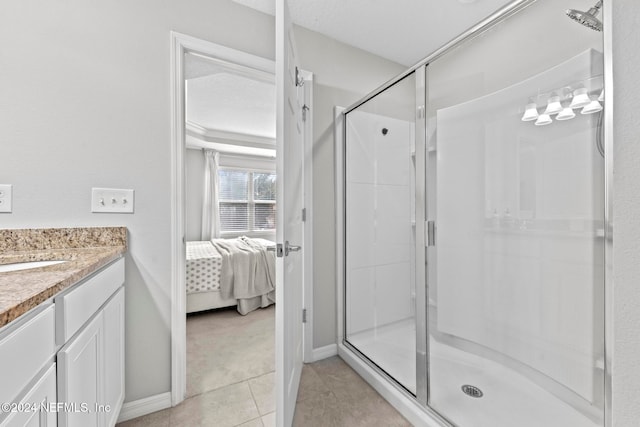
(6, 194)
(111, 200)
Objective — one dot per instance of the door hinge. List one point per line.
(305, 108)
(304, 315)
(431, 233)
(299, 78)
(304, 214)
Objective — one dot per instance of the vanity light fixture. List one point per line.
(566, 114)
(592, 107)
(543, 120)
(553, 105)
(580, 98)
(530, 112)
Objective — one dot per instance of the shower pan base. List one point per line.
(509, 398)
(393, 347)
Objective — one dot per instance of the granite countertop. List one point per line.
(86, 250)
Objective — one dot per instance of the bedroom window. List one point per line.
(247, 201)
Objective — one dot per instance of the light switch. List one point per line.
(111, 200)
(6, 191)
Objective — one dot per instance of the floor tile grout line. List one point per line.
(252, 419)
(253, 396)
(230, 384)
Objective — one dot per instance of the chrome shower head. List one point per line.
(588, 19)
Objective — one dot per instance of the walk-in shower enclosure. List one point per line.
(471, 250)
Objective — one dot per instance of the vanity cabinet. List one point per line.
(90, 321)
(62, 363)
(27, 369)
(39, 399)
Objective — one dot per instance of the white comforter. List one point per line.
(248, 269)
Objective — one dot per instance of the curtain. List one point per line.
(210, 199)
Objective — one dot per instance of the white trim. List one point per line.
(140, 407)
(324, 352)
(178, 295)
(244, 139)
(338, 136)
(409, 408)
(307, 303)
(181, 44)
(230, 148)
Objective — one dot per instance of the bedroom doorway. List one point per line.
(230, 225)
(221, 99)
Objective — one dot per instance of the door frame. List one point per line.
(181, 44)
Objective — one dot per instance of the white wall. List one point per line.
(86, 102)
(626, 205)
(380, 239)
(342, 75)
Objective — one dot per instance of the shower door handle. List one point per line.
(290, 248)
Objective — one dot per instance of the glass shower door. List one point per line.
(380, 318)
(516, 175)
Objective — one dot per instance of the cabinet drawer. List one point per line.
(24, 351)
(39, 399)
(75, 307)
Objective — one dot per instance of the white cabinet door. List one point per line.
(114, 356)
(41, 396)
(81, 377)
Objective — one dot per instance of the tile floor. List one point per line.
(333, 394)
(230, 365)
(230, 372)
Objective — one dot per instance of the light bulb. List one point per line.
(592, 107)
(543, 120)
(553, 105)
(566, 114)
(580, 98)
(530, 112)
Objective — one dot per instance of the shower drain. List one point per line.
(472, 391)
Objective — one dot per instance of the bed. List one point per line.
(230, 272)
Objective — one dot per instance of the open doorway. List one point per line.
(222, 105)
(230, 184)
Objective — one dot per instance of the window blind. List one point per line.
(247, 200)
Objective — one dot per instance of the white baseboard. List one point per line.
(138, 408)
(324, 352)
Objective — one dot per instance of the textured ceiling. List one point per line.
(404, 31)
(231, 103)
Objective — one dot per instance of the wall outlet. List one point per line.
(111, 200)
(6, 194)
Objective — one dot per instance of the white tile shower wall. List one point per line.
(379, 247)
(535, 274)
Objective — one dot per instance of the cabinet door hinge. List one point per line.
(304, 315)
(304, 214)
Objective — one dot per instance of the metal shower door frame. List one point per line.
(421, 69)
